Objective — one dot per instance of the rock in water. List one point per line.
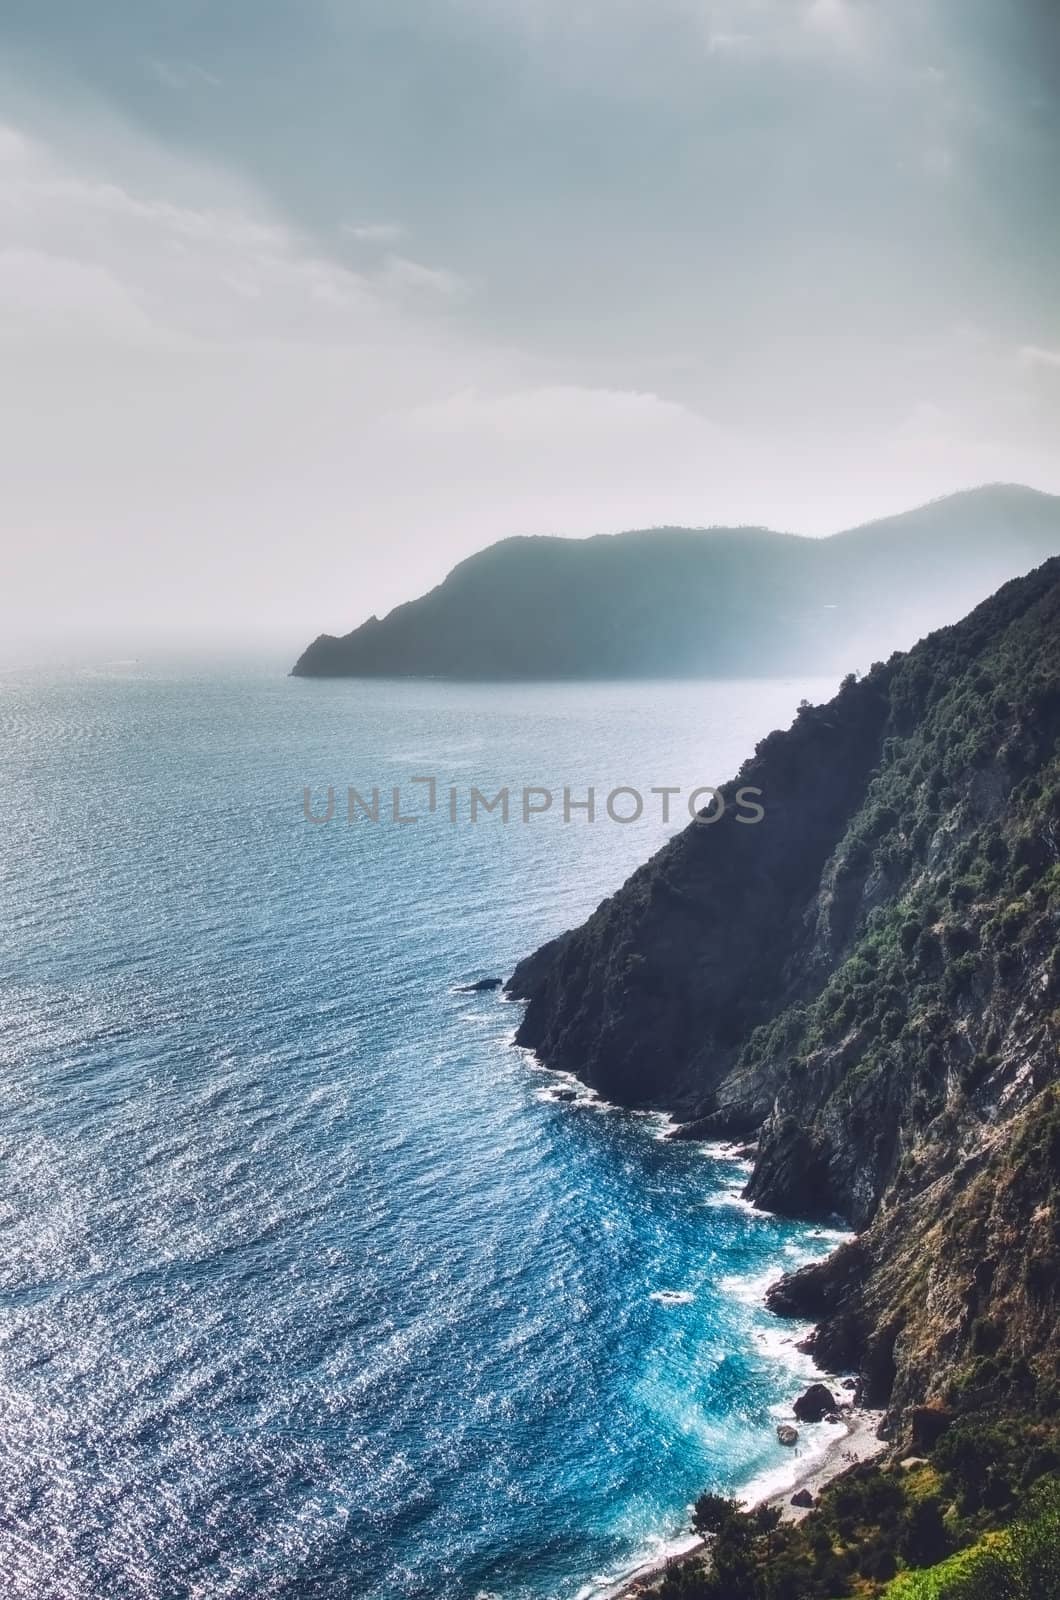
(787, 1434)
(816, 1403)
(481, 986)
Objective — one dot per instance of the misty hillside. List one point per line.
(683, 602)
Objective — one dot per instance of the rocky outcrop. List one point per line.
(815, 1403)
(822, 1288)
(869, 981)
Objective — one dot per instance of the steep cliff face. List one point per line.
(651, 1000)
(870, 980)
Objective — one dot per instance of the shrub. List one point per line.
(924, 1539)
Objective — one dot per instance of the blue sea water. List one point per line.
(309, 1286)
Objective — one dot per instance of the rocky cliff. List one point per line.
(868, 982)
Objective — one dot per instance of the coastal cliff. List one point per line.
(867, 982)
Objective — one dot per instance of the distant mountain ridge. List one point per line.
(715, 602)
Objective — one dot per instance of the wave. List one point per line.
(749, 1289)
(609, 1585)
(813, 1446)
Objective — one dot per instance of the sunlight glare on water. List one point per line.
(309, 1287)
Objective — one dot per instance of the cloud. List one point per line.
(722, 42)
(129, 261)
(938, 162)
(78, 250)
(542, 413)
(926, 424)
(194, 392)
(182, 75)
(781, 33)
(837, 19)
(402, 274)
(374, 232)
(1035, 355)
(62, 299)
(14, 147)
(423, 274)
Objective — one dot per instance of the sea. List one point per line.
(312, 1285)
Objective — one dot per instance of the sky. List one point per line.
(302, 301)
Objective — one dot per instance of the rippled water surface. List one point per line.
(308, 1285)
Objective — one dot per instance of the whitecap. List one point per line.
(774, 1480)
(735, 1197)
(727, 1151)
(607, 1586)
(750, 1288)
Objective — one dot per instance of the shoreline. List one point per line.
(858, 1441)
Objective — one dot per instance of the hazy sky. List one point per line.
(303, 300)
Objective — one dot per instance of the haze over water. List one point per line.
(309, 1287)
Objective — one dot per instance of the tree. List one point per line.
(716, 1514)
(925, 1539)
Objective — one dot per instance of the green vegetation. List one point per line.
(870, 983)
(930, 1040)
(941, 899)
(910, 1531)
(1020, 1563)
(941, 936)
